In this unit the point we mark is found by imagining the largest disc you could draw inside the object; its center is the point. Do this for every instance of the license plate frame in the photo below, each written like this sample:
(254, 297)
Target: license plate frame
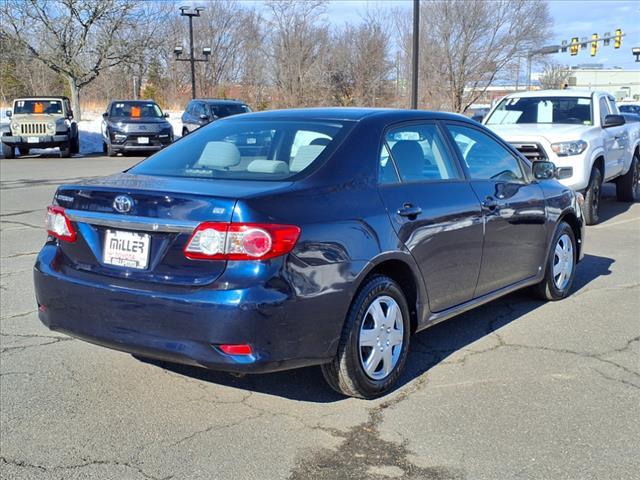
(33, 139)
(126, 249)
(143, 140)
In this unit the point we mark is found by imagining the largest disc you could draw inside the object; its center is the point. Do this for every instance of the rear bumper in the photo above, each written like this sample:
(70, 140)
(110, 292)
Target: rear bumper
(185, 326)
(44, 141)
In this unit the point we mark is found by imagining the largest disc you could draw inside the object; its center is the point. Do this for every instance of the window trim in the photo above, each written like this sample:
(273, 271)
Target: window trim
(527, 177)
(455, 162)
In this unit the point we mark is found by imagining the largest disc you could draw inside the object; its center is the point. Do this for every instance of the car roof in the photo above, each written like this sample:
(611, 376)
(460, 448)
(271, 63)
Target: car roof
(139, 100)
(350, 114)
(42, 97)
(556, 93)
(219, 101)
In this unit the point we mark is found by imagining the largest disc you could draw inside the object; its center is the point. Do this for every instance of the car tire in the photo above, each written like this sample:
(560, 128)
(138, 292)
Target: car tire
(627, 186)
(24, 150)
(65, 149)
(367, 321)
(111, 151)
(560, 269)
(8, 151)
(185, 132)
(592, 197)
(75, 144)
(104, 147)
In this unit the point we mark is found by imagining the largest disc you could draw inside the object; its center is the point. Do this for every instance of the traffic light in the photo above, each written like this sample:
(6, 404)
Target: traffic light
(594, 44)
(574, 46)
(617, 41)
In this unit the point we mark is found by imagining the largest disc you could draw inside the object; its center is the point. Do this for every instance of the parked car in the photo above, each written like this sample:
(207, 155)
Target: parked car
(355, 229)
(41, 122)
(135, 126)
(202, 111)
(581, 130)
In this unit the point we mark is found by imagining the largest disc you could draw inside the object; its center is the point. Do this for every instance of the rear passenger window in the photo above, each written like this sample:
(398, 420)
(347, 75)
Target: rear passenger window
(419, 154)
(485, 158)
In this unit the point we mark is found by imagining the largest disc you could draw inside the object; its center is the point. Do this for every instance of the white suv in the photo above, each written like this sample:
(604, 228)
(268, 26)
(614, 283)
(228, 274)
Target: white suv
(578, 130)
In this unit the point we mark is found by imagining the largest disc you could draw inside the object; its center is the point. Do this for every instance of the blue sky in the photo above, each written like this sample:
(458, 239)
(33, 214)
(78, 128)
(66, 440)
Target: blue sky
(580, 18)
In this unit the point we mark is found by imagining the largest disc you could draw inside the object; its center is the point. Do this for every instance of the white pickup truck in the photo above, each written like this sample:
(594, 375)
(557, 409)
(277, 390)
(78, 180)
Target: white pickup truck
(582, 130)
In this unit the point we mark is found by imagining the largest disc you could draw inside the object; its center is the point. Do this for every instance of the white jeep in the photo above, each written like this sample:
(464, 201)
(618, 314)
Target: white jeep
(581, 132)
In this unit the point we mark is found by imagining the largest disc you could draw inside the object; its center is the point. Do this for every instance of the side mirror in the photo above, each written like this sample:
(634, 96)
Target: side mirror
(105, 114)
(478, 118)
(8, 113)
(613, 121)
(70, 114)
(204, 117)
(544, 170)
(166, 115)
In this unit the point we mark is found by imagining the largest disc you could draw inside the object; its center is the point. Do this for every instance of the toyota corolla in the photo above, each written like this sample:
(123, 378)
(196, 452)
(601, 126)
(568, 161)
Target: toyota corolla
(284, 239)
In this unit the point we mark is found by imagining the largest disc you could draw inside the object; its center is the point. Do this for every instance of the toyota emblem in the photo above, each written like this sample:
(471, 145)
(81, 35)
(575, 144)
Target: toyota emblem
(123, 203)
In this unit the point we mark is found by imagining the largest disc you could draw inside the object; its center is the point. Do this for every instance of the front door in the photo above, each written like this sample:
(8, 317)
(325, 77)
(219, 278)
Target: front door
(513, 209)
(433, 210)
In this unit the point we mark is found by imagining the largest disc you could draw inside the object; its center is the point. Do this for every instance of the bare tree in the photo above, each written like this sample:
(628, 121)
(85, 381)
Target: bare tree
(554, 76)
(299, 38)
(77, 39)
(467, 45)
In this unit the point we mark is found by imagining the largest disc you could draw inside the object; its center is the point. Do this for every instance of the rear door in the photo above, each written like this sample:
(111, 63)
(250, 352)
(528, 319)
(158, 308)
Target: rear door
(433, 210)
(614, 142)
(513, 209)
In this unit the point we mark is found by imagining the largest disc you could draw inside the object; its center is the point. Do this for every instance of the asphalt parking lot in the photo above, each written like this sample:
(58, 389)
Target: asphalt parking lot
(515, 389)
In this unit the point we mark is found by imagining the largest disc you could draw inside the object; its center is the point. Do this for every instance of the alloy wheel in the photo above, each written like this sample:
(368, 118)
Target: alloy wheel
(381, 337)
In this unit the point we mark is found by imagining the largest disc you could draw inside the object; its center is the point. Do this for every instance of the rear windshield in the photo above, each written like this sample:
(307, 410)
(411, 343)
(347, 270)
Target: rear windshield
(244, 149)
(37, 106)
(135, 110)
(571, 110)
(222, 111)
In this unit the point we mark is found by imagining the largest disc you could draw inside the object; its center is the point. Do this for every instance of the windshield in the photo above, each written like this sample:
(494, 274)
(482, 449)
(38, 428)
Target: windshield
(247, 149)
(135, 110)
(37, 106)
(571, 110)
(221, 111)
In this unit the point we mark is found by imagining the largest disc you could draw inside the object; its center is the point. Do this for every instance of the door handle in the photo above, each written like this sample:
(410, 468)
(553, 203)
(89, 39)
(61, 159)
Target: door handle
(489, 203)
(410, 211)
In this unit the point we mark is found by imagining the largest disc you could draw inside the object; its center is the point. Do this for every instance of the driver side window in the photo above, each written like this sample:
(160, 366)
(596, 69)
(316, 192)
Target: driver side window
(485, 158)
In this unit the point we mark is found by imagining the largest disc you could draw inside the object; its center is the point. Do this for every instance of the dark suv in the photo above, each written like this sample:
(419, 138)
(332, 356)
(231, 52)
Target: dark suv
(134, 126)
(201, 111)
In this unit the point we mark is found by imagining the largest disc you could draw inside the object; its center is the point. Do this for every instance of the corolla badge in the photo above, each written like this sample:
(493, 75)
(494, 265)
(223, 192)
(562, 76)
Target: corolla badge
(123, 203)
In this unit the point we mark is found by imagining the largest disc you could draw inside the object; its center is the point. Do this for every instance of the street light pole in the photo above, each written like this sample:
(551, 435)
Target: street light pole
(184, 11)
(414, 60)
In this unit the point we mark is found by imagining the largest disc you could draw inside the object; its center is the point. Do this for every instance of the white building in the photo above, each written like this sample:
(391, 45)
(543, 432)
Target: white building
(623, 84)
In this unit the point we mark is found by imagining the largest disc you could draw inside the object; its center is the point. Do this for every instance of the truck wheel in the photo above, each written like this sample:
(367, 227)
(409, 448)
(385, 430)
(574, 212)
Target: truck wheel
(75, 144)
(628, 186)
(65, 149)
(8, 151)
(592, 197)
(24, 150)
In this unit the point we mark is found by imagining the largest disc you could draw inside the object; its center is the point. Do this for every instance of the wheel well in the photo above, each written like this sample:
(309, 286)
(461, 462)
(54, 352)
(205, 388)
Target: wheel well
(599, 164)
(402, 274)
(572, 220)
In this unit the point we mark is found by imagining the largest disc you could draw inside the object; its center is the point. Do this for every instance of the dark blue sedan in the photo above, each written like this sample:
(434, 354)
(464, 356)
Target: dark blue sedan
(282, 239)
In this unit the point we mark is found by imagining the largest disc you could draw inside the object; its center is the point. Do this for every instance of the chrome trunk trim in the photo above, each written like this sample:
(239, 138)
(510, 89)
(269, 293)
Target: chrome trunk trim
(130, 222)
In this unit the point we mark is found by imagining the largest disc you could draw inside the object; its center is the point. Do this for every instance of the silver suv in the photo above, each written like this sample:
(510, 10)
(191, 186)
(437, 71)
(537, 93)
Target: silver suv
(40, 122)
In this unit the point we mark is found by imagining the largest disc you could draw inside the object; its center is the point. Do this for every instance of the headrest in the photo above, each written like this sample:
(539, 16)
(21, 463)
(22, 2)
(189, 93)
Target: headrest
(320, 141)
(268, 166)
(219, 155)
(305, 157)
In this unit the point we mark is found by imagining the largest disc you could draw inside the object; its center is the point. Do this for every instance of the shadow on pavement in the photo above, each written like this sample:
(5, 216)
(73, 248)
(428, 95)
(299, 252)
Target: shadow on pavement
(428, 348)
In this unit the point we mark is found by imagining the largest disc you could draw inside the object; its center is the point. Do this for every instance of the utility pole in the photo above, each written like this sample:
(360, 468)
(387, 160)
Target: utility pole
(414, 60)
(184, 11)
(548, 50)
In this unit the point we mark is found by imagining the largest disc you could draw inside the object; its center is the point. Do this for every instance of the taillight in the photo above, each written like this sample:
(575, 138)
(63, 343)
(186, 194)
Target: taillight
(241, 241)
(59, 225)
